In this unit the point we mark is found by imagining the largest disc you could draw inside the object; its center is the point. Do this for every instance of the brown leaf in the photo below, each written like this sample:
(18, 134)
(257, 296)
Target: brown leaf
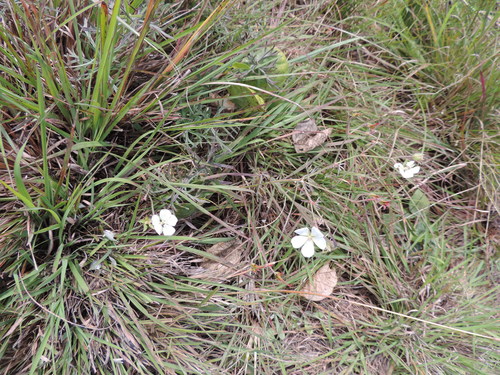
(323, 282)
(230, 254)
(306, 136)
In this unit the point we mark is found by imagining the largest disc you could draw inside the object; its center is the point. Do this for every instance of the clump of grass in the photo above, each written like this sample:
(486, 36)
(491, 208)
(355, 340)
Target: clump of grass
(111, 113)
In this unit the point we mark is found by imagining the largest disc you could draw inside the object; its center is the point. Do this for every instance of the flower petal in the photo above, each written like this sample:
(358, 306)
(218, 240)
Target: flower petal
(299, 241)
(409, 173)
(168, 230)
(155, 220)
(109, 235)
(316, 233)
(172, 220)
(318, 238)
(320, 242)
(302, 231)
(414, 170)
(165, 215)
(410, 164)
(398, 166)
(405, 173)
(308, 249)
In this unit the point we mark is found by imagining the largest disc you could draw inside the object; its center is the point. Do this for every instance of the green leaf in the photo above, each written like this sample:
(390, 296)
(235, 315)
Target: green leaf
(21, 188)
(26, 200)
(240, 65)
(75, 270)
(43, 345)
(419, 203)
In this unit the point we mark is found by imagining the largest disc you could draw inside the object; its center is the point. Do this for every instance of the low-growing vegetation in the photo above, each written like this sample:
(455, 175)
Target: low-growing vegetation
(235, 187)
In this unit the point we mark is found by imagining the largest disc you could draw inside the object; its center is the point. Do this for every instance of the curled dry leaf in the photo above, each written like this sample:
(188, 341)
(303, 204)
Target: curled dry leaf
(230, 254)
(306, 136)
(323, 282)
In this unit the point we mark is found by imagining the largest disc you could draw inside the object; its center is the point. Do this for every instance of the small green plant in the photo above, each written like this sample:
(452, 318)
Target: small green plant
(264, 68)
(149, 227)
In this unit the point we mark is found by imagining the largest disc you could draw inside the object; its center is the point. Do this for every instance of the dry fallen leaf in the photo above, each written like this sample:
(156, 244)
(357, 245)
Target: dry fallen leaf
(323, 282)
(230, 254)
(306, 136)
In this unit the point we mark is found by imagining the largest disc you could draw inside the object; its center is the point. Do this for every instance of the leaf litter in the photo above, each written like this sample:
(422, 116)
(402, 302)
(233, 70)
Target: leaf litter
(321, 284)
(307, 137)
(229, 254)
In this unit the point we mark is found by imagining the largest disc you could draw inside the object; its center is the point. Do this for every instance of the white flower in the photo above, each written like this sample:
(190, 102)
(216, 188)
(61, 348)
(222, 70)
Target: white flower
(408, 169)
(109, 235)
(164, 223)
(307, 239)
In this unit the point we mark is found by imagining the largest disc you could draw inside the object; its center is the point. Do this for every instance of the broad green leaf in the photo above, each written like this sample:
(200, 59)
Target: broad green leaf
(240, 65)
(419, 202)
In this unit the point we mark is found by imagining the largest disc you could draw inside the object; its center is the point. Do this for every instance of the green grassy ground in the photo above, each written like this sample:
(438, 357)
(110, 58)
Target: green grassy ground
(111, 112)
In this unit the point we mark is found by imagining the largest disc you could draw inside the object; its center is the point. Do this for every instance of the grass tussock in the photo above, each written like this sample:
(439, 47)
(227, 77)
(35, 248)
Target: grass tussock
(113, 111)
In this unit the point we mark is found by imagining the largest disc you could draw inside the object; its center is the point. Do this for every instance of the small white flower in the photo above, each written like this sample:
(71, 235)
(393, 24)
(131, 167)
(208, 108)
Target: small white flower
(307, 239)
(408, 169)
(164, 223)
(109, 235)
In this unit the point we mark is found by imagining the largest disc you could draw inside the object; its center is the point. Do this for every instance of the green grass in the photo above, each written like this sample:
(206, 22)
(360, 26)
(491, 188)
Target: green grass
(111, 114)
